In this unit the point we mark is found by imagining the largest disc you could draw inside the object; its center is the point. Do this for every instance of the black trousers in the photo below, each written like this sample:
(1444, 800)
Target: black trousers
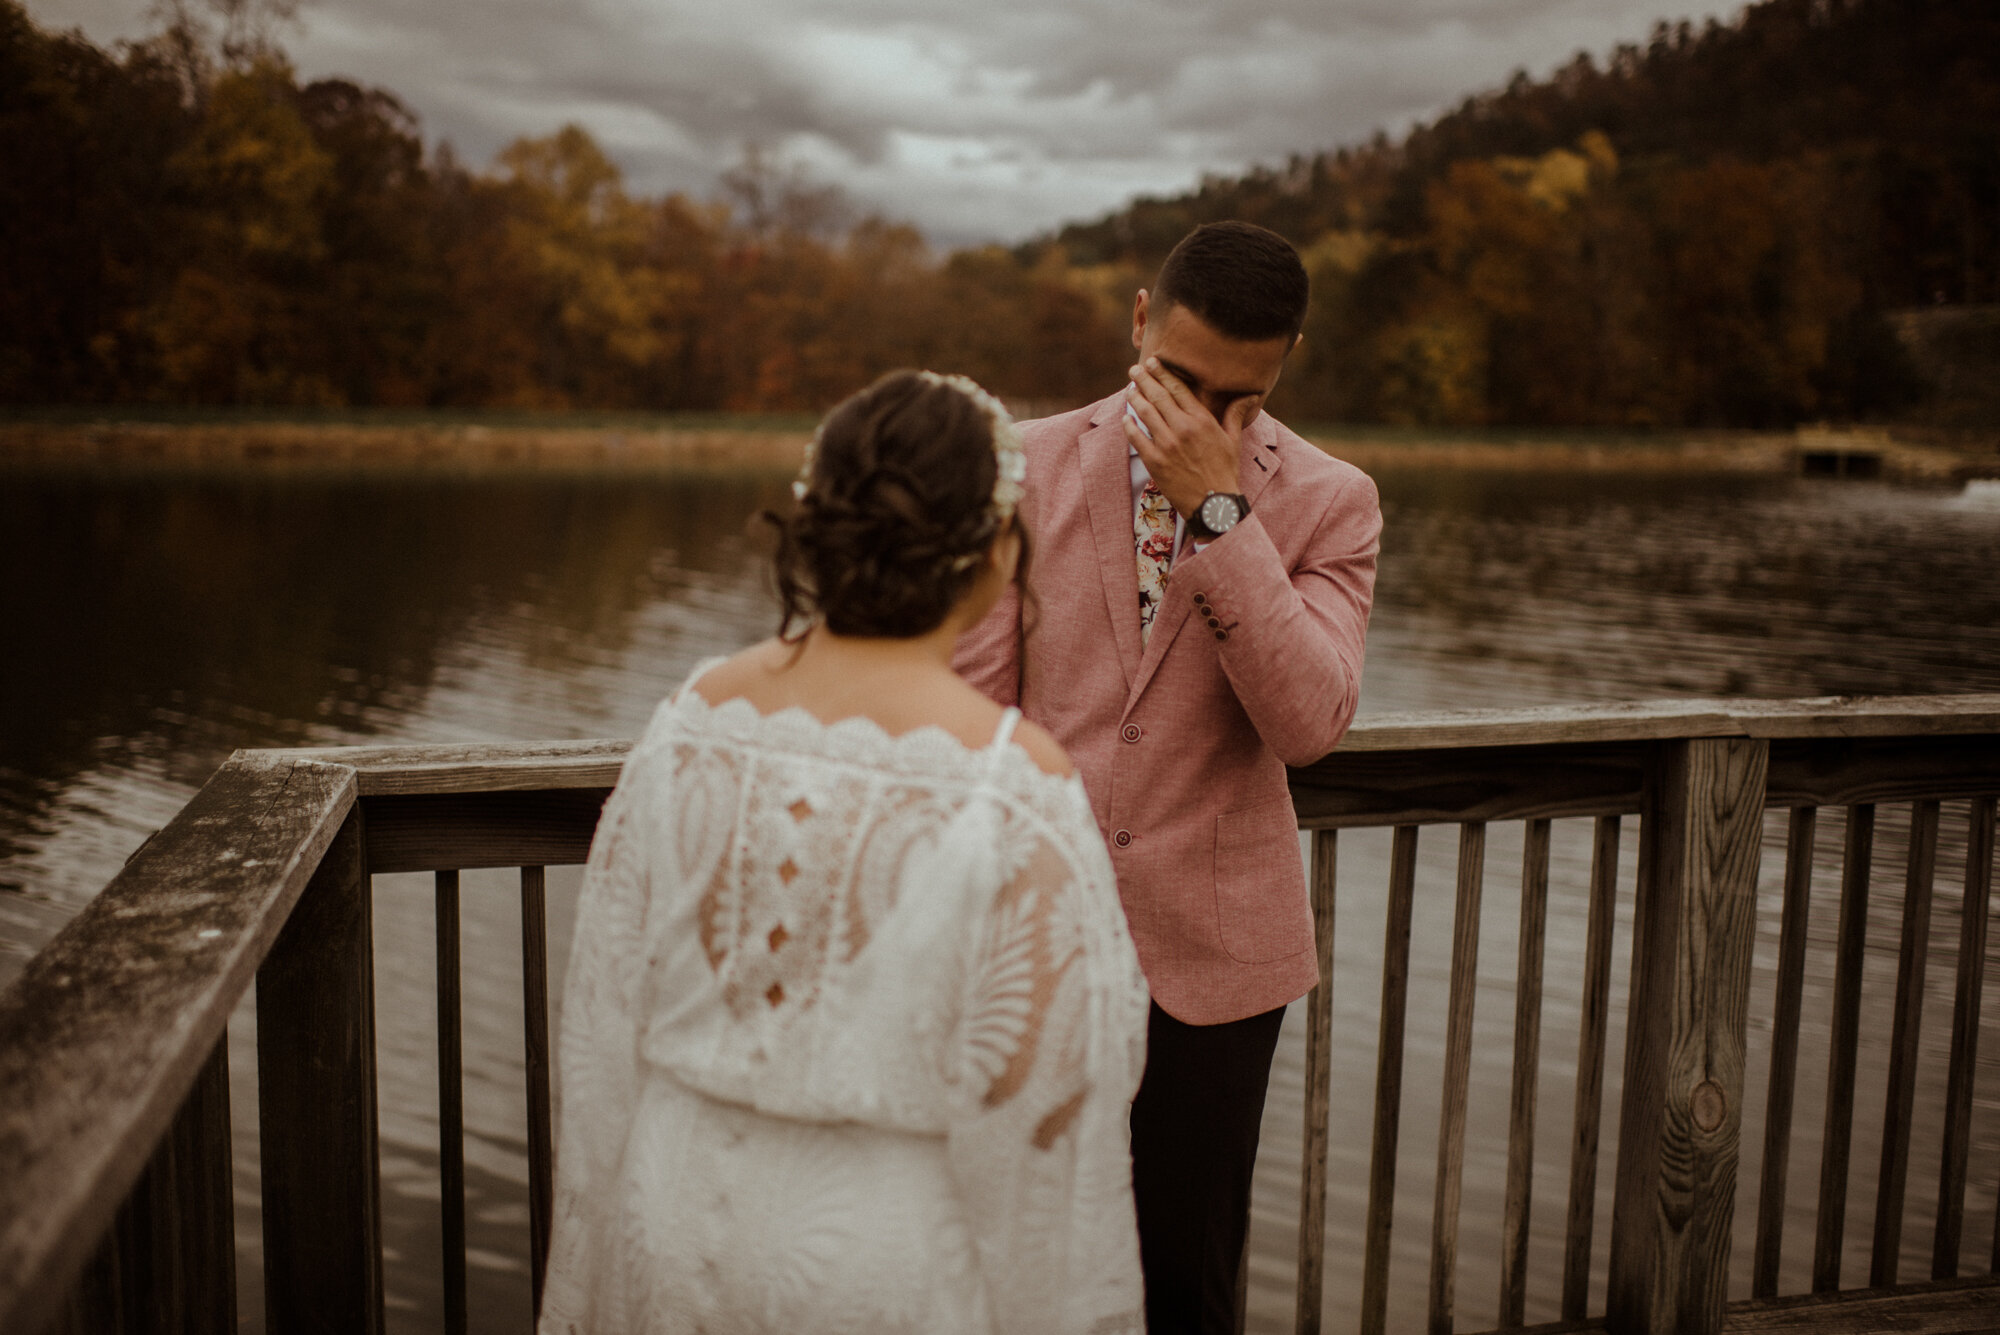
(1194, 1143)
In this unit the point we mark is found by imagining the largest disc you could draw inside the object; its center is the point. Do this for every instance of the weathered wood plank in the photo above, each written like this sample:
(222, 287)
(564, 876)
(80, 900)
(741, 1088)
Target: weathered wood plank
(1473, 784)
(1581, 1224)
(1388, 1081)
(1319, 1101)
(483, 767)
(1849, 953)
(454, 831)
(1652, 720)
(451, 1104)
(1971, 980)
(1694, 934)
(535, 1024)
(316, 1104)
(1903, 1040)
(1784, 1051)
(1527, 1071)
(104, 1033)
(1824, 772)
(1964, 1307)
(1457, 1075)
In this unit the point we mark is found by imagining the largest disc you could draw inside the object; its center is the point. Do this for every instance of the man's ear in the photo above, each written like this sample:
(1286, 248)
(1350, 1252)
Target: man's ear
(1139, 309)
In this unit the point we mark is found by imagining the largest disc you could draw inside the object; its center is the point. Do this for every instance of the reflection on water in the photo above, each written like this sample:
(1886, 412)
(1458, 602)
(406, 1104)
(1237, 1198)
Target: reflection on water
(157, 620)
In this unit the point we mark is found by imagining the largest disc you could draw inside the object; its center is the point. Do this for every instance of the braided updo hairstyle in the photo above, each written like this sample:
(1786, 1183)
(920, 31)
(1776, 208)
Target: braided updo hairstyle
(896, 512)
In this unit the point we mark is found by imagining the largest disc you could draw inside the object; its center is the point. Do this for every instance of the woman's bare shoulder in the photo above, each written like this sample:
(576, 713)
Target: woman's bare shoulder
(742, 672)
(1043, 749)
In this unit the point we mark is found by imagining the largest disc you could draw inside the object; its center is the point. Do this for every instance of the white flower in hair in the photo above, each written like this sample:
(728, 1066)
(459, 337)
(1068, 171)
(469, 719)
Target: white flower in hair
(1010, 460)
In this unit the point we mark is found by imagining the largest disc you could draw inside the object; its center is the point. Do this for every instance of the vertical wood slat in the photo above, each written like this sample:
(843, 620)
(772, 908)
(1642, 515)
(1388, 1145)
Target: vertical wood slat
(1457, 1075)
(1904, 1037)
(451, 1103)
(193, 1203)
(1964, 1043)
(1850, 950)
(316, 1104)
(1319, 1075)
(1527, 1069)
(1694, 933)
(167, 1265)
(535, 1025)
(1581, 1224)
(1388, 1081)
(1787, 1013)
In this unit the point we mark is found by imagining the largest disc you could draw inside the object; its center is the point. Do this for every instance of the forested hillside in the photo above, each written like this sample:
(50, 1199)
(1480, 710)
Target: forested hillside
(1706, 230)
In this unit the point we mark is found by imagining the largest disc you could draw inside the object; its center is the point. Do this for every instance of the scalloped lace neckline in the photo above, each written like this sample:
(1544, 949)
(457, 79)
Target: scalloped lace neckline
(857, 736)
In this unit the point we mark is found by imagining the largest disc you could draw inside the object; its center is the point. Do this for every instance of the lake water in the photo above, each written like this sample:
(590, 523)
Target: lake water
(157, 619)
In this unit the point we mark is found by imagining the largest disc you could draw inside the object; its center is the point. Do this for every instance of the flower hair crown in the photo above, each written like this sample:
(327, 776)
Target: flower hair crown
(1010, 473)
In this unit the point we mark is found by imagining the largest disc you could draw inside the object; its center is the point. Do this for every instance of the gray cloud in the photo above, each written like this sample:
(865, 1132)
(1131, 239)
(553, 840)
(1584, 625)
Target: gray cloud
(975, 120)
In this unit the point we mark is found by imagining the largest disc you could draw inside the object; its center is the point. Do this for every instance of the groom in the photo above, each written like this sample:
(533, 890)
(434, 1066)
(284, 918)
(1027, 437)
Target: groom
(1201, 583)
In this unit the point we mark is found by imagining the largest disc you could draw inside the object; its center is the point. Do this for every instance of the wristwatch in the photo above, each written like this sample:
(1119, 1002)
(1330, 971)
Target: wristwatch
(1218, 512)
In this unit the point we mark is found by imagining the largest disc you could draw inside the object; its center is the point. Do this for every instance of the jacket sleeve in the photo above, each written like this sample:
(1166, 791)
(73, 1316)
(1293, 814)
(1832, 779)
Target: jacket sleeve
(1044, 1063)
(1295, 641)
(989, 655)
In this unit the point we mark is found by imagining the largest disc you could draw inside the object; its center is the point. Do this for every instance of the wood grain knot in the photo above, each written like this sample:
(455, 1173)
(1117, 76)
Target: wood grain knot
(1709, 1105)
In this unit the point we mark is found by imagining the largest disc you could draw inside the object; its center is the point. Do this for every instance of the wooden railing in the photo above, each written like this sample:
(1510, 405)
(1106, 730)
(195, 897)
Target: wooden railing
(115, 1158)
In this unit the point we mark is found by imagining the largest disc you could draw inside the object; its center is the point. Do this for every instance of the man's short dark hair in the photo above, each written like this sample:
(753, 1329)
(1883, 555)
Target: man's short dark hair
(1241, 280)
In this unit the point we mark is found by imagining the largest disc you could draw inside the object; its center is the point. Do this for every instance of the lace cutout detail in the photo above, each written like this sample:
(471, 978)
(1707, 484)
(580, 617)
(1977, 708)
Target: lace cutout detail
(825, 926)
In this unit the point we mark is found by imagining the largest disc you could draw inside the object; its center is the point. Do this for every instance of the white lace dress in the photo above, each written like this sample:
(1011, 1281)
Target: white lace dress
(849, 1039)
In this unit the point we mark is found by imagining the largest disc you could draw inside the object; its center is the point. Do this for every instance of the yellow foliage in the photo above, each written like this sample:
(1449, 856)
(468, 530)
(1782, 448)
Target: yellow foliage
(253, 151)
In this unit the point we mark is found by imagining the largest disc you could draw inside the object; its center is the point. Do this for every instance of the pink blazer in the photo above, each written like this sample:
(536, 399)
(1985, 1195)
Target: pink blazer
(1254, 663)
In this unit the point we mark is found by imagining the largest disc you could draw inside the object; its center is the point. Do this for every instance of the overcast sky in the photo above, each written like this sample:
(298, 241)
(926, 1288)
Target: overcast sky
(977, 121)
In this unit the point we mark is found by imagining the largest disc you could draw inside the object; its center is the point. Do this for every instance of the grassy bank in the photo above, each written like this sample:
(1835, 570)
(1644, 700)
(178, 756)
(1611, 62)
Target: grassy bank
(721, 443)
(642, 446)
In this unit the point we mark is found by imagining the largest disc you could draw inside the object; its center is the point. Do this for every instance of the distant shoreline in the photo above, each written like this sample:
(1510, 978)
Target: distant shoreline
(401, 445)
(1897, 454)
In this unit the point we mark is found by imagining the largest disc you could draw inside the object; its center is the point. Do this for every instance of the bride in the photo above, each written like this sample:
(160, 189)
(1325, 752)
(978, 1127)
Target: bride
(852, 1022)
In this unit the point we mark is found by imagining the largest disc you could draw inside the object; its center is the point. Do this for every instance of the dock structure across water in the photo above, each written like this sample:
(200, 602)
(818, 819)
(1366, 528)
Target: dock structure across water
(115, 1142)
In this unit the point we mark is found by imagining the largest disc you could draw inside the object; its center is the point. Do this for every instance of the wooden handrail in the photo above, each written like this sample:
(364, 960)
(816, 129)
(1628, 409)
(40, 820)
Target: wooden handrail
(110, 1052)
(103, 1034)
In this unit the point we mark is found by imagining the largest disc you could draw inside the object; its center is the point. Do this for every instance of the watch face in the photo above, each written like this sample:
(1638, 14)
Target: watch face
(1219, 513)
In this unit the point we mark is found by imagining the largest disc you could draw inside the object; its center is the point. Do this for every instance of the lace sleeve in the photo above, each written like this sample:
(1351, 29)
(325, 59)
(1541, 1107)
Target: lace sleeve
(598, 1056)
(1048, 1053)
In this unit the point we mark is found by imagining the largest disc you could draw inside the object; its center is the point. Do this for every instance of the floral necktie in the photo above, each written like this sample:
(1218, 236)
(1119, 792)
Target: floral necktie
(1153, 531)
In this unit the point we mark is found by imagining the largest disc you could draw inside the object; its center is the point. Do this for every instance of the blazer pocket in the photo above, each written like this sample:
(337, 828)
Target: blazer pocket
(1260, 902)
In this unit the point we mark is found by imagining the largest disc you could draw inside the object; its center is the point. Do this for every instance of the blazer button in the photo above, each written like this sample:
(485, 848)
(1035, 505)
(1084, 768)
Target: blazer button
(1131, 732)
(1214, 624)
(1222, 635)
(1201, 597)
(1123, 838)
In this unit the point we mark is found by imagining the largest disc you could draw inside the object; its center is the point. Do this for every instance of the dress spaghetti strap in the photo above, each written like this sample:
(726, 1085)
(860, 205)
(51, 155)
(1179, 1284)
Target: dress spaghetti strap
(1003, 734)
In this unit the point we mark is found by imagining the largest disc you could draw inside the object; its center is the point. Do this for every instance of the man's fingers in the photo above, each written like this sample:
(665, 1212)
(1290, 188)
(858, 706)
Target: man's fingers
(1181, 396)
(1148, 410)
(1138, 439)
(1153, 391)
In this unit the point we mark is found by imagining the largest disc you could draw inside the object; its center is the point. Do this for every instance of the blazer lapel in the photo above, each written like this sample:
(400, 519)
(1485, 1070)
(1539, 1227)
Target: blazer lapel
(1102, 457)
(1258, 460)
(1256, 464)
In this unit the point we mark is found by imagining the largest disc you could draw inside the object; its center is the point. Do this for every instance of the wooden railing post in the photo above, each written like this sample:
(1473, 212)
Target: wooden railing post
(1693, 932)
(167, 1265)
(316, 1105)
